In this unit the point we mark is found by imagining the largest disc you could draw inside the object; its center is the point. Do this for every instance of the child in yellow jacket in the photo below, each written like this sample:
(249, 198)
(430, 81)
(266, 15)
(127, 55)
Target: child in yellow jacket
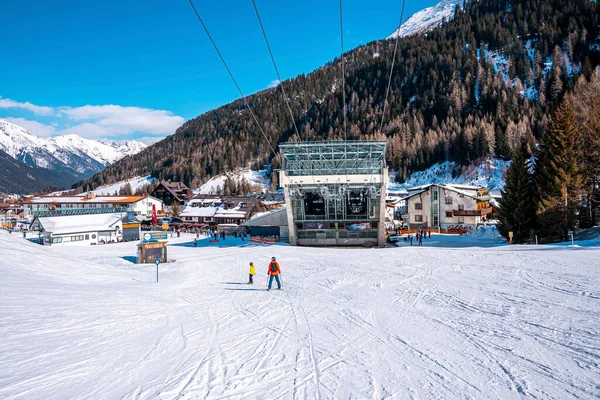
(252, 272)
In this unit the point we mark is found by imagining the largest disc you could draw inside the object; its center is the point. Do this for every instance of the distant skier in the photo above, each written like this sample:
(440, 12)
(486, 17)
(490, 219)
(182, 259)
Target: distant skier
(195, 242)
(429, 234)
(274, 272)
(252, 272)
(410, 238)
(421, 240)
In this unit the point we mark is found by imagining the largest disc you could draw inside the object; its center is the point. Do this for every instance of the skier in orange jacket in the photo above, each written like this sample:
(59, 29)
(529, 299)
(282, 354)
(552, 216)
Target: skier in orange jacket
(274, 271)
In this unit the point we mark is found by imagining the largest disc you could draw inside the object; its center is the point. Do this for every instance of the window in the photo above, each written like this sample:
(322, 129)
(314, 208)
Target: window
(461, 207)
(461, 195)
(93, 236)
(461, 220)
(77, 238)
(448, 214)
(418, 206)
(448, 200)
(434, 195)
(87, 237)
(418, 218)
(56, 240)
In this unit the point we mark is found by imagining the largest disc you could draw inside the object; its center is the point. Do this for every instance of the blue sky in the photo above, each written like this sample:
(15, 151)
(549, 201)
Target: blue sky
(123, 69)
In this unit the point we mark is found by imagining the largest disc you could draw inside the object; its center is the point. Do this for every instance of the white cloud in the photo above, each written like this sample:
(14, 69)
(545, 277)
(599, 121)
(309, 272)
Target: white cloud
(38, 110)
(96, 122)
(111, 120)
(34, 127)
(274, 83)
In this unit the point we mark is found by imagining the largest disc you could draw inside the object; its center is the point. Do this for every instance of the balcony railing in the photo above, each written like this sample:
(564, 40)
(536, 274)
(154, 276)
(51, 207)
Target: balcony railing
(471, 213)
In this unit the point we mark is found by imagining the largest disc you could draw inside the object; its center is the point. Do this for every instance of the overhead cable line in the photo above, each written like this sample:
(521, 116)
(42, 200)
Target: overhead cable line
(387, 92)
(232, 78)
(285, 98)
(343, 72)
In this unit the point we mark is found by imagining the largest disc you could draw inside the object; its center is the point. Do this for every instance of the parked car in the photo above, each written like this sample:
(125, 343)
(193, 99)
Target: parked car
(393, 238)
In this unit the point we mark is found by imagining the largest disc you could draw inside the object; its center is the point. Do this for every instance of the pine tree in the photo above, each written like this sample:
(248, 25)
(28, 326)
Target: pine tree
(586, 101)
(558, 178)
(517, 208)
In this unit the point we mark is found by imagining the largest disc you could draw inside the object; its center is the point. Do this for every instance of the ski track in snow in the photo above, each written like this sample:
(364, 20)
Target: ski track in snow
(480, 321)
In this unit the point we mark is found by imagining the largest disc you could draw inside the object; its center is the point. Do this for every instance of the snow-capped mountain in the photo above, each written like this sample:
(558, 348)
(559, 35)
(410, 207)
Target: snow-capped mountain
(427, 19)
(69, 153)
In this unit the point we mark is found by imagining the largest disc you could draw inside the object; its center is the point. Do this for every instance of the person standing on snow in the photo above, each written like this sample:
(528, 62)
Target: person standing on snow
(252, 272)
(274, 272)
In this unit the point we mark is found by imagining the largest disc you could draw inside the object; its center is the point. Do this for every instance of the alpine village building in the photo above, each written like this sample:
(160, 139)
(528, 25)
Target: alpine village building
(451, 207)
(212, 210)
(172, 192)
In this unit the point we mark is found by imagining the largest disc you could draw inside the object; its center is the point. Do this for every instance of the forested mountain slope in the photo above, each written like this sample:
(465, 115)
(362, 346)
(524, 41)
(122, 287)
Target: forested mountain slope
(18, 177)
(469, 88)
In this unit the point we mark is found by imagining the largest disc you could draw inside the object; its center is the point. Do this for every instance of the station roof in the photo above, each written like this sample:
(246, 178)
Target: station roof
(357, 157)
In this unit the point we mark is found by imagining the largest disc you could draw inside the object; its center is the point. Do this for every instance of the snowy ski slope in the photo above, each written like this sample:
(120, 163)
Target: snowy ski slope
(461, 317)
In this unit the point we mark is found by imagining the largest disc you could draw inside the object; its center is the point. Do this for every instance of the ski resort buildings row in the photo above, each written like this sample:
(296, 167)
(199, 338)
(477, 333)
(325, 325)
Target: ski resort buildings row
(212, 210)
(89, 219)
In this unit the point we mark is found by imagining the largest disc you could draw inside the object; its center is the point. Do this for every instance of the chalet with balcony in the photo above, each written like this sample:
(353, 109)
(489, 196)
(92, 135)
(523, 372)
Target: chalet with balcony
(447, 207)
(172, 192)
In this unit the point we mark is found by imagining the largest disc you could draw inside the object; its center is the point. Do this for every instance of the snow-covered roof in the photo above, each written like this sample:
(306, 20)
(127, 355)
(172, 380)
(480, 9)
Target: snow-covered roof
(275, 217)
(230, 213)
(460, 189)
(80, 223)
(85, 200)
(417, 188)
(464, 187)
(198, 212)
(415, 194)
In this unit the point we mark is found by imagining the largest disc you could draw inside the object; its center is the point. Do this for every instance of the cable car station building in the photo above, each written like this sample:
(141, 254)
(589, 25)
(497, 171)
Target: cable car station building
(335, 192)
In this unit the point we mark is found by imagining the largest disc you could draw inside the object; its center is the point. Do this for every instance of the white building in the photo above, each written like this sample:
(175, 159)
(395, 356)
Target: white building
(80, 229)
(447, 207)
(45, 206)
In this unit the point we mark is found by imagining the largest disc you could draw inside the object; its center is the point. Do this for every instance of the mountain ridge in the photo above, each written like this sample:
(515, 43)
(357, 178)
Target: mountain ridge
(427, 19)
(69, 153)
(16, 177)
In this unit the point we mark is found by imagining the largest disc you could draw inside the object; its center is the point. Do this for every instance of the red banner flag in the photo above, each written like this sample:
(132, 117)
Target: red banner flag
(154, 219)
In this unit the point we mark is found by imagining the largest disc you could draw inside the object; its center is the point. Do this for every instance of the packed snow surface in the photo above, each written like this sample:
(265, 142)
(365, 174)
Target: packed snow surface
(427, 19)
(460, 317)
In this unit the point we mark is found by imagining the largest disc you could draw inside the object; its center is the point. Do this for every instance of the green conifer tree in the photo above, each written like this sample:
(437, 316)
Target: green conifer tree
(558, 180)
(517, 206)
